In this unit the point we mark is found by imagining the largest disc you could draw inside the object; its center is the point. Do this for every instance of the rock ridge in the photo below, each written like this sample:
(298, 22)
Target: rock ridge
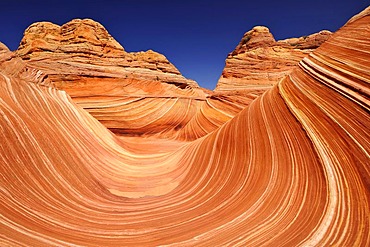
(83, 59)
(260, 61)
(80, 40)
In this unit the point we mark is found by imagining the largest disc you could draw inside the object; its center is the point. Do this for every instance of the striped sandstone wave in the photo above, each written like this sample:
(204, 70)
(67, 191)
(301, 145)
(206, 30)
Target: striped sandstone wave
(291, 168)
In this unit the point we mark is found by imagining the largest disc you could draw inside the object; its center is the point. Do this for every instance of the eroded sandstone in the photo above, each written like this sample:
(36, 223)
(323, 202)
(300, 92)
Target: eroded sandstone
(259, 61)
(287, 167)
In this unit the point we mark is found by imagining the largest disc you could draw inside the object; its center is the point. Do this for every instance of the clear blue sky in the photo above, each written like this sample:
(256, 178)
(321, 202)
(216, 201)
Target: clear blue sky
(195, 36)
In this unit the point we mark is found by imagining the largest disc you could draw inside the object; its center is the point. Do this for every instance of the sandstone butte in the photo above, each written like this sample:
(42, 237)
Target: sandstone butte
(101, 147)
(259, 61)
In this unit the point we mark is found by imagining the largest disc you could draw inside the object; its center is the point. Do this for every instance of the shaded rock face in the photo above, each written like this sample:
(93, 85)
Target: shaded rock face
(288, 168)
(260, 62)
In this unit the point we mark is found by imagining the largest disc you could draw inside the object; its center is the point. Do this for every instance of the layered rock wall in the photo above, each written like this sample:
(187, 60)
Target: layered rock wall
(83, 59)
(260, 62)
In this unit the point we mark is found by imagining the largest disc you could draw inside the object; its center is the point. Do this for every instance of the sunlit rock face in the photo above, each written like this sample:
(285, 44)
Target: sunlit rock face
(84, 48)
(290, 168)
(116, 87)
(260, 62)
(132, 94)
(3, 48)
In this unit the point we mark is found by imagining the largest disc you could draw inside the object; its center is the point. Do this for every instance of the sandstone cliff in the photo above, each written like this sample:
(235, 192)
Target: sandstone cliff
(117, 87)
(260, 62)
(86, 46)
(83, 59)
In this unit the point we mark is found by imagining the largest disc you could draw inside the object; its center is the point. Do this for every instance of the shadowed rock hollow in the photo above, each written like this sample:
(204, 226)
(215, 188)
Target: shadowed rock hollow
(101, 147)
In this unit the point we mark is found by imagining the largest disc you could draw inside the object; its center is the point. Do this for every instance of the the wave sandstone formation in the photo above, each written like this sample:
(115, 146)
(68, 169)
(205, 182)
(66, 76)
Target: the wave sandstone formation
(260, 62)
(118, 88)
(288, 168)
(132, 94)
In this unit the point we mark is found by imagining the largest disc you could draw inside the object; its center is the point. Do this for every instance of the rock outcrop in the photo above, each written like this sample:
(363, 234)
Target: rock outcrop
(260, 62)
(3, 48)
(87, 47)
(81, 58)
(289, 168)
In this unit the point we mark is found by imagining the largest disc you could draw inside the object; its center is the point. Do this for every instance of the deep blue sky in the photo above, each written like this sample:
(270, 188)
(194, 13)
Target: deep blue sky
(195, 36)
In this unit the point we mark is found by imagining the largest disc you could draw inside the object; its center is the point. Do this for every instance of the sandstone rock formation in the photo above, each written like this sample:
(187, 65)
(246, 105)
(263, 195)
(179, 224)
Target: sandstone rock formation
(117, 87)
(81, 58)
(291, 168)
(3, 48)
(86, 46)
(260, 62)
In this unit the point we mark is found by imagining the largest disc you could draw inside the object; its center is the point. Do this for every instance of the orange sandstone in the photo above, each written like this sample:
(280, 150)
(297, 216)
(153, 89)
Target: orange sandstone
(290, 168)
(260, 62)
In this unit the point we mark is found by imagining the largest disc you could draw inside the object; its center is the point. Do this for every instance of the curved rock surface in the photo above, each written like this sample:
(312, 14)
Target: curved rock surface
(291, 168)
(260, 62)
